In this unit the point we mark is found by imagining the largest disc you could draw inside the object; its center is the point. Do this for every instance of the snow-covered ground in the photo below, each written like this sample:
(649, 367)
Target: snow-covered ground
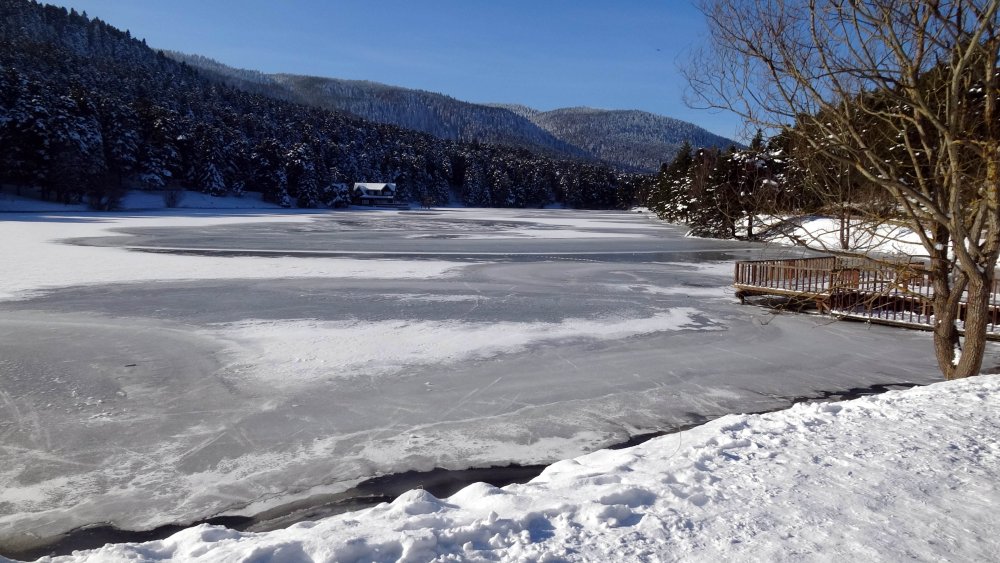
(906, 475)
(825, 233)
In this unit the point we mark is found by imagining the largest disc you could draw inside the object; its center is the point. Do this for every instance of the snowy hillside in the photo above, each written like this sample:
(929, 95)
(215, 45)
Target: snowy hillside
(429, 112)
(900, 476)
(419, 110)
(629, 138)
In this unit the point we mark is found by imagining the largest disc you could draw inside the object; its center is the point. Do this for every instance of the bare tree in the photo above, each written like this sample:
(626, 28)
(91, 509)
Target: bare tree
(836, 190)
(905, 93)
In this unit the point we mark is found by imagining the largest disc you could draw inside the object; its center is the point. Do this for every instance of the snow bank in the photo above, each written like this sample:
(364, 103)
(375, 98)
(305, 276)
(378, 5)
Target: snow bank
(900, 476)
(823, 233)
(35, 260)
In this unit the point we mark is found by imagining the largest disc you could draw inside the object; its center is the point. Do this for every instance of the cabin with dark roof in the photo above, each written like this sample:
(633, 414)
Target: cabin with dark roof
(369, 193)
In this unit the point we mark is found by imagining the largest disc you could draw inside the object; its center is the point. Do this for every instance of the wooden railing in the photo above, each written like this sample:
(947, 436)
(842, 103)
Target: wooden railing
(876, 290)
(899, 293)
(799, 275)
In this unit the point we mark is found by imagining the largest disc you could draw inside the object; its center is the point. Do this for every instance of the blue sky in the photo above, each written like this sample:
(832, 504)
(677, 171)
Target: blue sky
(542, 53)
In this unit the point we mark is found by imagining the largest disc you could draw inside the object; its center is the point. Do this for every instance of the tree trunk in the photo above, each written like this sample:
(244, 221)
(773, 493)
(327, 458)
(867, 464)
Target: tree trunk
(947, 306)
(946, 337)
(845, 230)
(977, 316)
(958, 358)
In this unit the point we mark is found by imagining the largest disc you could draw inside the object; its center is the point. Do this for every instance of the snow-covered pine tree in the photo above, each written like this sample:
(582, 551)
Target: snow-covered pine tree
(303, 181)
(158, 155)
(269, 175)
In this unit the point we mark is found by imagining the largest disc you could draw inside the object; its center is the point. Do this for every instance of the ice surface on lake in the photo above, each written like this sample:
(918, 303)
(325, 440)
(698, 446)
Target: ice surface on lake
(294, 352)
(147, 387)
(38, 262)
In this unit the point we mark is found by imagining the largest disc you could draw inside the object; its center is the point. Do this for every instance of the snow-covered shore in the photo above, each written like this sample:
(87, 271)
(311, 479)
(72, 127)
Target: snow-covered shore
(899, 476)
(134, 200)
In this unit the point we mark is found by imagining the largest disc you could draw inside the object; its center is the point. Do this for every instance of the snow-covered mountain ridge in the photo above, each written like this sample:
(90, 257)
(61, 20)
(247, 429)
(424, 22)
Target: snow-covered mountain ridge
(628, 139)
(632, 139)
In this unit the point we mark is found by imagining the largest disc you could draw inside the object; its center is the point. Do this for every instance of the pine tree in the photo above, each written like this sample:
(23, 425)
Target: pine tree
(158, 157)
(668, 196)
(715, 212)
(119, 130)
(303, 183)
(269, 176)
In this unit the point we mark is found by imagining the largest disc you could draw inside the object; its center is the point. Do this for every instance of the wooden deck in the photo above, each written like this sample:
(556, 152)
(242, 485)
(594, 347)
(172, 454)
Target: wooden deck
(885, 292)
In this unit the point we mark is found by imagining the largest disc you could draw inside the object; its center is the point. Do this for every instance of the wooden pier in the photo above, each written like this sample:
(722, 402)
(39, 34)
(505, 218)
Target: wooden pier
(878, 291)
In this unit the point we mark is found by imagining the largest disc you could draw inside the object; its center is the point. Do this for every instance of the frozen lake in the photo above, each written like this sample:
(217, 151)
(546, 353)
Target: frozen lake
(181, 367)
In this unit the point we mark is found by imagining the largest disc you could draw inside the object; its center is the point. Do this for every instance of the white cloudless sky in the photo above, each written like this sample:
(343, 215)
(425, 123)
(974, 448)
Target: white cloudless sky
(543, 53)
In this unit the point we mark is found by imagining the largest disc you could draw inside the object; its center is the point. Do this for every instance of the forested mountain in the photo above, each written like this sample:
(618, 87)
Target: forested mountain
(437, 114)
(87, 111)
(429, 112)
(627, 139)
